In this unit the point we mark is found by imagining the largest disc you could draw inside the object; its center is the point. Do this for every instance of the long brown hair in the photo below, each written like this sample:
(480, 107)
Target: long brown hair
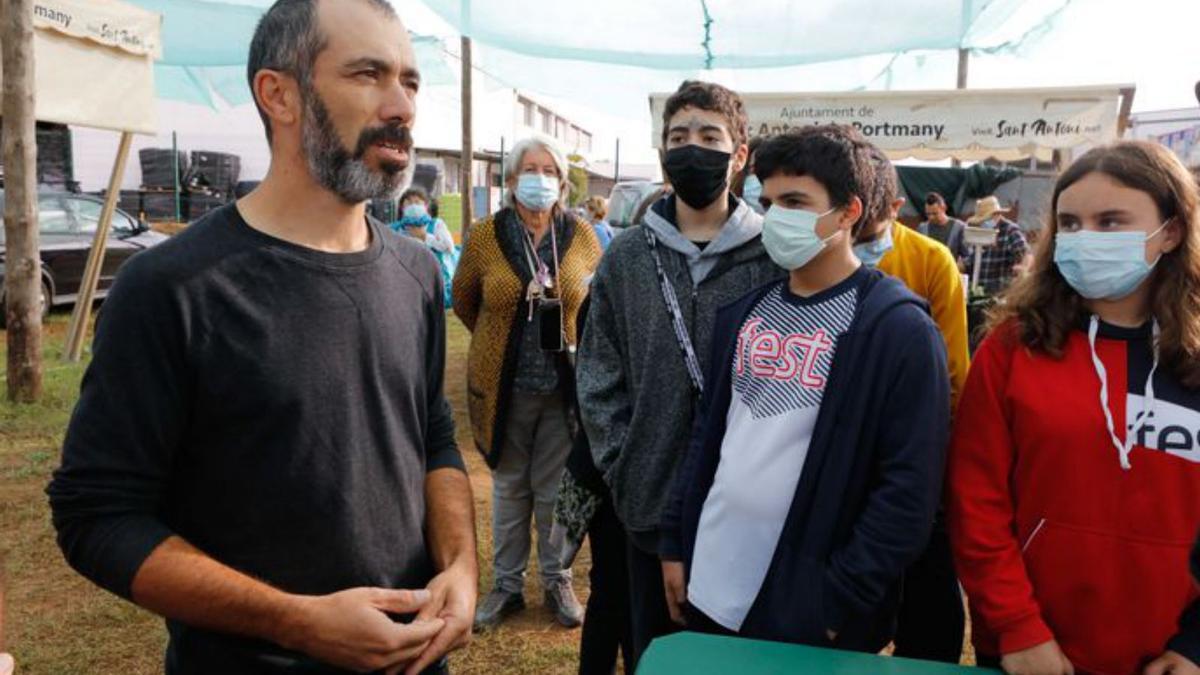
(1045, 309)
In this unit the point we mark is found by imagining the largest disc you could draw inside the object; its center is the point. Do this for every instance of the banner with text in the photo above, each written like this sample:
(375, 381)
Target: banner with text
(1007, 124)
(94, 64)
(115, 24)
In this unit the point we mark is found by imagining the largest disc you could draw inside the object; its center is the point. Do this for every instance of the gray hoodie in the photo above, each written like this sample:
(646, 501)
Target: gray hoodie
(634, 393)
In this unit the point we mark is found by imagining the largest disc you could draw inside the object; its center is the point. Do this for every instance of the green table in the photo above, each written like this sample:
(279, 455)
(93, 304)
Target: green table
(696, 654)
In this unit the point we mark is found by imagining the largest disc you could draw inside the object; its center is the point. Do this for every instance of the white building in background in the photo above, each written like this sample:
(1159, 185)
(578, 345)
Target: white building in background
(1178, 129)
(502, 116)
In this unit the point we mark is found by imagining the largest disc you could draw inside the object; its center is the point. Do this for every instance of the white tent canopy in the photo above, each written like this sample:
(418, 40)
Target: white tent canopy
(94, 67)
(1006, 124)
(94, 63)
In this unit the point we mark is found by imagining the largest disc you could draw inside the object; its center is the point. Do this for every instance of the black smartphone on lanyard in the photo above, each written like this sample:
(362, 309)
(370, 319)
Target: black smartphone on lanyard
(550, 324)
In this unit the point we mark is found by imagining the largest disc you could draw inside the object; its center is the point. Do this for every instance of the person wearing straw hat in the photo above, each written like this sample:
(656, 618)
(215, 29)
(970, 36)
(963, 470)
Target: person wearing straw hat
(1007, 257)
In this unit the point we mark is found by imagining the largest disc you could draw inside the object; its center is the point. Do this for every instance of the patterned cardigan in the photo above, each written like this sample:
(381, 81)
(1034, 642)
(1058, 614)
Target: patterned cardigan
(489, 298)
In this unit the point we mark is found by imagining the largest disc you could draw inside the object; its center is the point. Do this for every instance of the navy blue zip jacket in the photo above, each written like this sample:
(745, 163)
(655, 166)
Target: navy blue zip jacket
(872, 482)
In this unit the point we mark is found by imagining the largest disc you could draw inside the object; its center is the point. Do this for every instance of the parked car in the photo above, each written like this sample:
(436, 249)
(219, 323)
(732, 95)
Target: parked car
(67, 224)
(624, 199)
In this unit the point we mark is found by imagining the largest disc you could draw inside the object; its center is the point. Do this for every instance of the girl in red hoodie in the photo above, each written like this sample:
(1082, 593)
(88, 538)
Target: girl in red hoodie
(1074, 472)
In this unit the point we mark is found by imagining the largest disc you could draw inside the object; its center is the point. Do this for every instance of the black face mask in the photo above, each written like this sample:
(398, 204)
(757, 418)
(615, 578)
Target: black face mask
(699, 175)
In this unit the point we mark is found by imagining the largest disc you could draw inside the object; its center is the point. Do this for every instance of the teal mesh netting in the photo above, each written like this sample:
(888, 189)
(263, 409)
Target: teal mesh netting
(632, 46)
(205, 45)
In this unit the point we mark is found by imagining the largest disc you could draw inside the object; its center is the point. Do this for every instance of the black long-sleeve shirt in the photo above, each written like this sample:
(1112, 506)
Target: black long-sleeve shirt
(275, 406)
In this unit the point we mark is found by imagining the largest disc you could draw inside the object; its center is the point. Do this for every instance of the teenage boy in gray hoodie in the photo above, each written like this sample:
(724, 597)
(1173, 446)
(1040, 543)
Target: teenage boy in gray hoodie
(653, 302)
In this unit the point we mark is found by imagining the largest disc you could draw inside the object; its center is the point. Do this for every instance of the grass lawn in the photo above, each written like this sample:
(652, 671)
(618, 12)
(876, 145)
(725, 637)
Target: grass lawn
(59, 623)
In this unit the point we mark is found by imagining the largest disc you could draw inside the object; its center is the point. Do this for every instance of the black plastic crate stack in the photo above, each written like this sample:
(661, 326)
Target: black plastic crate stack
(130, 201)
(384, 210)
(158, 167)
(158, 205)
(55, 165)
(200, 203)
(216, 171)
(211, 181)
(55, 162)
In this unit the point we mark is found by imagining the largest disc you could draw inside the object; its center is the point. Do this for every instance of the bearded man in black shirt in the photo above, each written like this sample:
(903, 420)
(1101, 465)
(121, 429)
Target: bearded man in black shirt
(262, 452)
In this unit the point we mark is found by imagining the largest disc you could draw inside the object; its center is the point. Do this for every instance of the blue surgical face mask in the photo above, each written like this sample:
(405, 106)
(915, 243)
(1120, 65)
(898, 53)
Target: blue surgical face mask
(752, 192)
(790, 236)
(537, 192)
(871, 252)
(415, 211)
(1104, 265)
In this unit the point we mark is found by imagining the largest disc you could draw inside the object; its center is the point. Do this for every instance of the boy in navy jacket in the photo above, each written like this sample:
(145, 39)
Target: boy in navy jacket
(816, 461)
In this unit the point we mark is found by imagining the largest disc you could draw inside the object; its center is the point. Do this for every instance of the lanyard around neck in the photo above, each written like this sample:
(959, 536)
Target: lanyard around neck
(1143, 418)
(535, 263)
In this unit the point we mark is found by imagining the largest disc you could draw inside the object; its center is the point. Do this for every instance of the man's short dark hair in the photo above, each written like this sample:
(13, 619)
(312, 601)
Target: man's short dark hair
(415, 191)
(288, 39)
(713, 98)
(935, 198)
(887, 187)
(836, 156)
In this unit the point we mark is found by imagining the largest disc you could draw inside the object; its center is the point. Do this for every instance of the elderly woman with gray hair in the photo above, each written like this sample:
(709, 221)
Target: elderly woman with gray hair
(520, 281)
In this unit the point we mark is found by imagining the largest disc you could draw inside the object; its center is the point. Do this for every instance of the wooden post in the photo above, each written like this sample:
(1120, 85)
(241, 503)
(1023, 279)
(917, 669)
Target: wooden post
(175, 173)
(964, 59)
(468, 143)
(1127, 107)
(77, 331)
(23, 268)
(617, 164)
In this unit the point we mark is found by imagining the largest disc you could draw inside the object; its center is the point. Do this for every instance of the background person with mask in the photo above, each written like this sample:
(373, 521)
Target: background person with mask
(418, 222)
(747, 186)
(931, 618)
(654, 299)
(262, 452)
(521, 280)
(815, 466)
(1075, 467)
(925, 268)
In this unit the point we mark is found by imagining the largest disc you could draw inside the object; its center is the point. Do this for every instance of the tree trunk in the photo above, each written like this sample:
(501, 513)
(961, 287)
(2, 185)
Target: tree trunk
(22, 274)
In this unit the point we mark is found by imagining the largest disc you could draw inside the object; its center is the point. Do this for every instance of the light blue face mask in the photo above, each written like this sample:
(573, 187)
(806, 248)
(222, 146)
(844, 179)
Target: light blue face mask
(752, 192)
(1104, 265)
(415, 211)
(537, 192)
(790, 236)
(871, 252)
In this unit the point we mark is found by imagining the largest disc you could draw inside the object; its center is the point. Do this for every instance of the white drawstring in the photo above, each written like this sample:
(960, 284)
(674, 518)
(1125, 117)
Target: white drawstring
(1123, 449)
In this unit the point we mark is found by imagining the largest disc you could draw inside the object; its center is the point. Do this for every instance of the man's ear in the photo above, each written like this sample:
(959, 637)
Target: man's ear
(851, 213)
(278, 96)
(740, 157)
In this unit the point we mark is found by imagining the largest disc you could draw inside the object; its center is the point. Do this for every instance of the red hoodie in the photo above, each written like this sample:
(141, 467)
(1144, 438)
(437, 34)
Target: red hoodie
(1052, 538)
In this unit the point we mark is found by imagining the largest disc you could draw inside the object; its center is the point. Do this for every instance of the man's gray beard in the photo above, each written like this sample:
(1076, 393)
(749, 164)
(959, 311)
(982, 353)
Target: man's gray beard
(337, 170)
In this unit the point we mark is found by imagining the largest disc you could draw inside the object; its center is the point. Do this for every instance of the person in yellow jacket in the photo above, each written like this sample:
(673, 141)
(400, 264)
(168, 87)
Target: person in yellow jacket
(931, 618)
(925, 265)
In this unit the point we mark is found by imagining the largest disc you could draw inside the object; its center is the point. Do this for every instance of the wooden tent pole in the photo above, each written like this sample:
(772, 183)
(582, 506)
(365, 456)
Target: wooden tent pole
(77, 331)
